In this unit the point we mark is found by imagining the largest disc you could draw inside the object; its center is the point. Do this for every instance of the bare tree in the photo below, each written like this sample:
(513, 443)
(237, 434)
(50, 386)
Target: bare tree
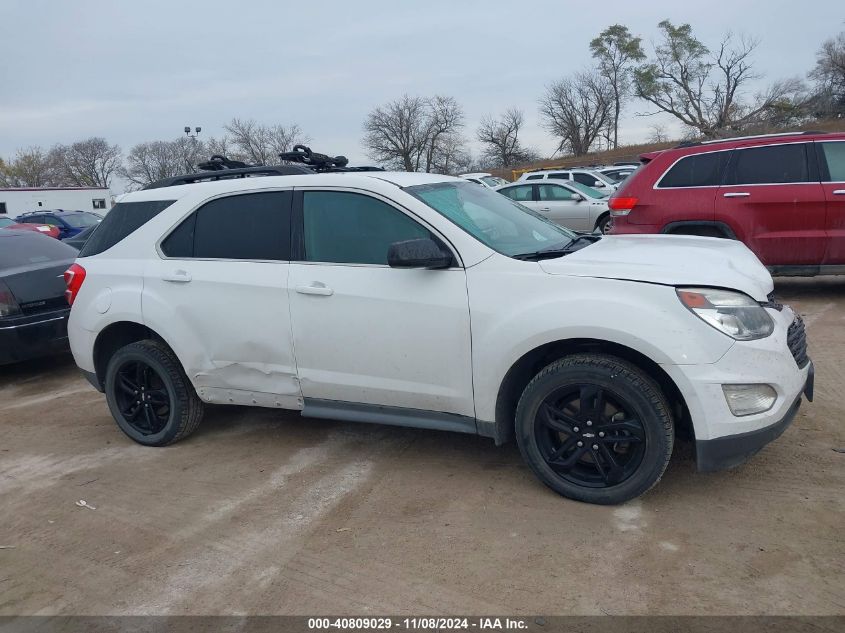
(576, 109)
(500, 137)
(829, 76)
(155, 160)
(443, 141)
(616, 50)
(395, 133)
(31, 167)
(89, 163)
(221, 146)
(704, 89)
(259, 144)
(415, 133)
(658, 134)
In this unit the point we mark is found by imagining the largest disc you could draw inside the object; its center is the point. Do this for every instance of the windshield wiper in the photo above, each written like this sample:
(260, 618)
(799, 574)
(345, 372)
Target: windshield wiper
(557, 251)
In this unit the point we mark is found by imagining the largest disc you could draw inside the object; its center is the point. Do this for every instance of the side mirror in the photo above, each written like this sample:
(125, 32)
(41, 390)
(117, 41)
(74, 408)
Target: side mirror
(421, 253)
(577, 197)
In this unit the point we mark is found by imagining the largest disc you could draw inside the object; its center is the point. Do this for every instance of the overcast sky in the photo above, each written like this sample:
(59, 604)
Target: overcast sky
(139, 71)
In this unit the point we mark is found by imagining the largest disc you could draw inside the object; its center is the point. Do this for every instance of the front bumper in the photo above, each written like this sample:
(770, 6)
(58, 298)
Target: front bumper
(724, 440)
(733, 450)
(32, 336)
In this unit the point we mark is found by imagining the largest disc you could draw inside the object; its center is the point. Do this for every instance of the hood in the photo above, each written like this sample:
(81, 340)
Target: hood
(672, 260)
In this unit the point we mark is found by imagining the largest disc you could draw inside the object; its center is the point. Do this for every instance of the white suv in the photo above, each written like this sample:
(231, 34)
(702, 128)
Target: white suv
(586, 177)
(428, 301)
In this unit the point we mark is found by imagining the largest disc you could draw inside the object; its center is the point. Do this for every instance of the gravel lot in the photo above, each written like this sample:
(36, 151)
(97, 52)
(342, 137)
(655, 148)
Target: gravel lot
(266, 512)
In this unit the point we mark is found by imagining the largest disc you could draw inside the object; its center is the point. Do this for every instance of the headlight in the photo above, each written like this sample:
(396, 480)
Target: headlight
(733, 313)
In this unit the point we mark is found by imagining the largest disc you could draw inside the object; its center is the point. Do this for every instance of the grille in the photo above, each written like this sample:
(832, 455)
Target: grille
(772, 302)
(796, 338)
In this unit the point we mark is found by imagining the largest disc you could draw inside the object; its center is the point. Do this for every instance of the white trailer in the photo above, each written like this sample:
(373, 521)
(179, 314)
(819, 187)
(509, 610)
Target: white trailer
(13, 202)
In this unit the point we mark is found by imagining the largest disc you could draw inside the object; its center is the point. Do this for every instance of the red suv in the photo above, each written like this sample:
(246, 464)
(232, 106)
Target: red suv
(782, 195)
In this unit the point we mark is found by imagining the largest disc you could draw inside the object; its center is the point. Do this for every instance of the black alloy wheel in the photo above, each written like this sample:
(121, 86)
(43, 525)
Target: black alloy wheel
(594, 427)
(149, 395)
(590, 436)
(142, 397)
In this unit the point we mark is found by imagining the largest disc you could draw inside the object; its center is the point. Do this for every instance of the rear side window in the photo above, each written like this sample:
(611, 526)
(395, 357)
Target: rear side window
(834, 154)
(520, 194)
(350, 228)
(697, 170)
(124, 218)
(587, 179)
(560, 176)
(554, 193)
(771, 164)
(540, 177)
(253, 226)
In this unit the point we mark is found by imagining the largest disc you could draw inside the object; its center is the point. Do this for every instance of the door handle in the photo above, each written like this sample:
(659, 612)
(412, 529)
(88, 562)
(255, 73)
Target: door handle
(178, 276)
(737, 194)
(839, 192)
(316, 288)
(545, 209)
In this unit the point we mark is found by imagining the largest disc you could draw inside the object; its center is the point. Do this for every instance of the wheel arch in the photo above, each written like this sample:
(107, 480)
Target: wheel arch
(601, 216)
(117, 335)
(700, 227)
(533, 361)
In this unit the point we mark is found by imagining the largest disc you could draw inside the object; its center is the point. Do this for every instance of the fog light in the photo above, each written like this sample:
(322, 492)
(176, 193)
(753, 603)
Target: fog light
(749, 399)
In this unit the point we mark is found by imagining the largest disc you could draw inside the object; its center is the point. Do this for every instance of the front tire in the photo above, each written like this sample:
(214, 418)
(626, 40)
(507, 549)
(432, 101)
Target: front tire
(604, 224)
(595, 428)
(149, 395)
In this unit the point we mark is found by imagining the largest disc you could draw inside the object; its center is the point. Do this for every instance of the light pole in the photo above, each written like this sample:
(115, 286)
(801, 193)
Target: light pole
(189, 161)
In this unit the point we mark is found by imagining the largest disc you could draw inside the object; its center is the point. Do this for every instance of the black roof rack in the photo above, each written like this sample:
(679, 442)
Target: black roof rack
(225, 174)
(221, 168)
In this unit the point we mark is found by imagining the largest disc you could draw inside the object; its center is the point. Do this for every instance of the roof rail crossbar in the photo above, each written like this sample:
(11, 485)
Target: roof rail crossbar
(223, 174)
(220, 168)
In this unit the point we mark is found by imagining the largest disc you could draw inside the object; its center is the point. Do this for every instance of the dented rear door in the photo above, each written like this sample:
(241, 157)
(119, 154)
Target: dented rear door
(220, 285)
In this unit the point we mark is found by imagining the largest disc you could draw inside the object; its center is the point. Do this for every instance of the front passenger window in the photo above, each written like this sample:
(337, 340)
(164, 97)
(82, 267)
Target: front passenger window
(351, 228)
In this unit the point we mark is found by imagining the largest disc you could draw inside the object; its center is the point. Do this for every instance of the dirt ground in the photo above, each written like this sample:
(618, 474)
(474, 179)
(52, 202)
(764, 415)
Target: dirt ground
(263, 512)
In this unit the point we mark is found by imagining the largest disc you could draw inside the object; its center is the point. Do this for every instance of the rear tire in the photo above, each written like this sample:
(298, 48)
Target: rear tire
(149, 395)
(604, 224)
(595, 428)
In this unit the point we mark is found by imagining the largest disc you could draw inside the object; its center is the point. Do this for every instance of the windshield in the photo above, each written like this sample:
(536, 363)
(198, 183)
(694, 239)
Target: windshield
(587, 191)
(6, 222)
(493, 181)
(491, 218)
(81, 220)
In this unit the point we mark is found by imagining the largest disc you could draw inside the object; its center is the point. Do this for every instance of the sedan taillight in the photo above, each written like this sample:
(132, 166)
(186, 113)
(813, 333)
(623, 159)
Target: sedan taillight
(8, 304)
(74, 276)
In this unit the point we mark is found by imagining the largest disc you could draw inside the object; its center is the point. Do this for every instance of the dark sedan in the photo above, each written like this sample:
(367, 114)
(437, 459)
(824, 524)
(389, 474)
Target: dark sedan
(33, 309)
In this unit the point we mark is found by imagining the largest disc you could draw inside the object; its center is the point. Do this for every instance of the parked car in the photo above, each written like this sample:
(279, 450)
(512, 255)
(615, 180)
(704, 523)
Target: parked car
(617, 174)
(586, 177)
(69, 223)
(483, 178)
(428, 301)
(782, 195)
(567, 203)
(33, 309)
(78, 240)
(9, 223)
